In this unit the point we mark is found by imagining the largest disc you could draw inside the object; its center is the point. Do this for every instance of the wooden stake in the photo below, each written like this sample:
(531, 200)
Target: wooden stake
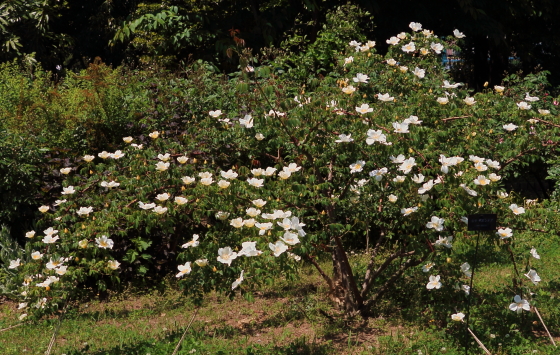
(544, 325)
(53, 338)
(185, 333)
(479, 342)
(60, 319)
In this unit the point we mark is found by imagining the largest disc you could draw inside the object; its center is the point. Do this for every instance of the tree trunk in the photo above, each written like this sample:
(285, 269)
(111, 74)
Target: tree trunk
(345, 292)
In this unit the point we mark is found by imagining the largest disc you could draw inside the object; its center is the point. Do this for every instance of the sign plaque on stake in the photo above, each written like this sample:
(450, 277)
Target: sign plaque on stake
(482, 222)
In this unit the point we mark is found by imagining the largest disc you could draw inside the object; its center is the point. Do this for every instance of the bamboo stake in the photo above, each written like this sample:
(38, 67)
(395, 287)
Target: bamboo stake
(185, 333)
(544, 325)
(479, 342)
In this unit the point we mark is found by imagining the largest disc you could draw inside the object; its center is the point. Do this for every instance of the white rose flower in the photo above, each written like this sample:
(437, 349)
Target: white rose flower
(162, 166)
(104, 155)
(410, 47)
(436, 47)
(68, 190)
(180, 200)
(226, 255)
(469, 101)
(259, 203)
(104, 242)
(510, 127)
(117, 155)
(415, 26)
(163, 197)
(348, 89)
(184, 269)
(223, 184)
(160, 209)
(187, 180)
(278, 248)
(164, 157)
(420, 73)
(215, 114)
(384, 97)
(458, 34)
(255, 182)
(84, 211)
(113, 264)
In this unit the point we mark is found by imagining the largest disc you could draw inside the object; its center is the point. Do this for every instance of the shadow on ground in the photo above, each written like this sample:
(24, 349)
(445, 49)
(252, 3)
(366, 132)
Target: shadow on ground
(190, 345)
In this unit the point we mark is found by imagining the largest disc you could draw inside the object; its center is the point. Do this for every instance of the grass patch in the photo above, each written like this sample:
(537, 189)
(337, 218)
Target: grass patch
(293, 318)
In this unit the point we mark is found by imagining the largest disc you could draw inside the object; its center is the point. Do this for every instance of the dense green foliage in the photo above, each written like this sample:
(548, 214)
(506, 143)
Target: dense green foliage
(70, 35)
(45, 123)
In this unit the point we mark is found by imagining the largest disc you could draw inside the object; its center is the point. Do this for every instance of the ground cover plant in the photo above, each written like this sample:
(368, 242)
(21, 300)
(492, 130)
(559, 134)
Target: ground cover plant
(271, 170)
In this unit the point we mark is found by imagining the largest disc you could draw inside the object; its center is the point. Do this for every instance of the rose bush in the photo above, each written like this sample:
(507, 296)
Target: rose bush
(268, 171)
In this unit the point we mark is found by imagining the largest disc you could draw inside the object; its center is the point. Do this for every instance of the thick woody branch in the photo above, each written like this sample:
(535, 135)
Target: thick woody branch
(349, 274)
(371, 263)
(371, 275)
(406, 265)
(321, 272)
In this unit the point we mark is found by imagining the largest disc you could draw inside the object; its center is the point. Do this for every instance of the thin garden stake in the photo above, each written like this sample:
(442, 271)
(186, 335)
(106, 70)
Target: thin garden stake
(469, 297)
(185, 333)
(544, 325)
(53, 338)
(479, 342)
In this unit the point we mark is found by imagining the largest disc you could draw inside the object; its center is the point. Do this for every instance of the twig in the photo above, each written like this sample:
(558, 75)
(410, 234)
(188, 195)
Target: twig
(423, 157)
(544, 325)
(479, 342)
(131, 202)
(13, 326)
(517, 157)
(383, 128)
(455, 118)
(185, 333)
(546, 122)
